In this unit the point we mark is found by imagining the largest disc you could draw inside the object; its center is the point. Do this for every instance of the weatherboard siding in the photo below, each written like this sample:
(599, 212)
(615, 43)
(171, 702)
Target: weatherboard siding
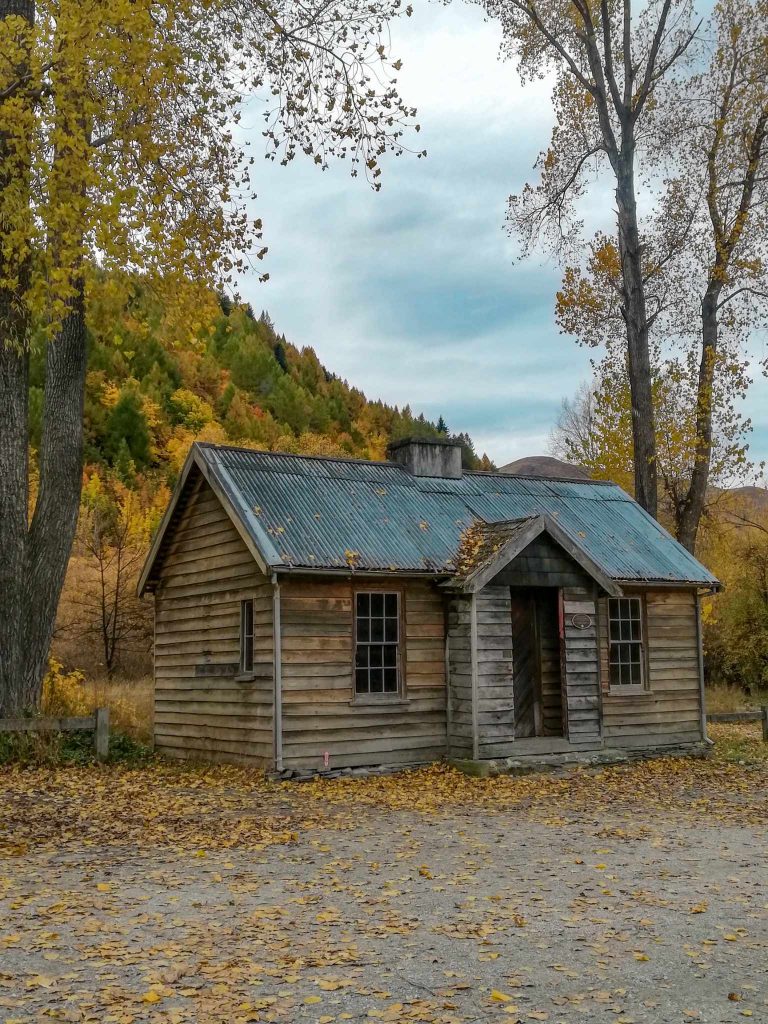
(543, 563)
(206, 571)
(320, 713)
(581, 665)
(668, 711)
(495, 694)
(460, 665)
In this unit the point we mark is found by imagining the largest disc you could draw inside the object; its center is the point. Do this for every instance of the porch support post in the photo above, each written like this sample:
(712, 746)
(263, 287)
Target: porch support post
(475, 678)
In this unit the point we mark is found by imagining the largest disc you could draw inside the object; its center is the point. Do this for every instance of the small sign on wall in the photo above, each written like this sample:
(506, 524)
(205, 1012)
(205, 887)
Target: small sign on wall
(580, 620)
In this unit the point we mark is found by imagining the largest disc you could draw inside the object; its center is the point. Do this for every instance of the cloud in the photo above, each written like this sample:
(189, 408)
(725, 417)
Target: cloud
(413, 293)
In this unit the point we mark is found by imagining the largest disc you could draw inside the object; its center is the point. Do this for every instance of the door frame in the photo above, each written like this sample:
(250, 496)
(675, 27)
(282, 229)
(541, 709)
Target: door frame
(563, 663)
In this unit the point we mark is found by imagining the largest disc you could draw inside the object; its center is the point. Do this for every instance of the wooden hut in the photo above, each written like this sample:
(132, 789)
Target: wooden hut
(322, 613)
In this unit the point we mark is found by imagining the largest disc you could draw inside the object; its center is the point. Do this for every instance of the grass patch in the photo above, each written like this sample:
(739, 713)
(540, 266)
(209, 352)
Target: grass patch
(54, 749)
(739, 742)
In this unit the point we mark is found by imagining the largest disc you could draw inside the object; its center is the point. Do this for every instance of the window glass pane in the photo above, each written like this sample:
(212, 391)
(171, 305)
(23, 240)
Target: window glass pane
(625, 632)
(246, 636)
(377, 633)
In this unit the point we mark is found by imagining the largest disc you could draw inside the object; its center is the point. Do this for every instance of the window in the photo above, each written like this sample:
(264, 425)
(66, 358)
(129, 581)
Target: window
(246, 636)
(625, 624)
(377, 643)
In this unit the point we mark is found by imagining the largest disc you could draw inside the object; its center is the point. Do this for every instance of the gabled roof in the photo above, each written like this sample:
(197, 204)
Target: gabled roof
(487, 548)
(302, 513)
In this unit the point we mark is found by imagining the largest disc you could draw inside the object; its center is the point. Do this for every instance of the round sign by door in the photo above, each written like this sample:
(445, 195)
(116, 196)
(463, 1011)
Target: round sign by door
(581, 620)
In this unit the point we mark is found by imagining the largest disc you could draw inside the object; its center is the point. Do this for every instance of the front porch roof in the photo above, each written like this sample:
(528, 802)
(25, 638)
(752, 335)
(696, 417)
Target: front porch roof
(487, 548)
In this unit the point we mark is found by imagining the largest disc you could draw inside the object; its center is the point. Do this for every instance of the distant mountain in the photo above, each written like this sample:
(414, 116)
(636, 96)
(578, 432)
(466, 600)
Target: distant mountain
(755, 496)
(545, 466)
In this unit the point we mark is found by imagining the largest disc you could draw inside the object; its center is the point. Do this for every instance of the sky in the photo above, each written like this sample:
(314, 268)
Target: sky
(416, 294)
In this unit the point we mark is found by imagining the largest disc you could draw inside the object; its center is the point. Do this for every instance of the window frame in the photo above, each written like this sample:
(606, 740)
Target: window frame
(642, 685)
(397, 696)
(246, 604)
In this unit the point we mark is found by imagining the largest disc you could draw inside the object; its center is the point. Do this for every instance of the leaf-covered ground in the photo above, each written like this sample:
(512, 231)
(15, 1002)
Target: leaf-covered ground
(636, 893)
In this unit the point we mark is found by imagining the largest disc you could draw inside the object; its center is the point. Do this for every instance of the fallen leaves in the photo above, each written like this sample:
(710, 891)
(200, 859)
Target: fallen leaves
(181, 895)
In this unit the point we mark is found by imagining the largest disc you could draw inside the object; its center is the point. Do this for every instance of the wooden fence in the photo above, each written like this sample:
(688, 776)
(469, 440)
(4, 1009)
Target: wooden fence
(97, 723)
(744, 716)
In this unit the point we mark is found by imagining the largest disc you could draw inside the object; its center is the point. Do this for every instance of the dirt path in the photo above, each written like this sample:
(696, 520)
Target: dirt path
(639, 894)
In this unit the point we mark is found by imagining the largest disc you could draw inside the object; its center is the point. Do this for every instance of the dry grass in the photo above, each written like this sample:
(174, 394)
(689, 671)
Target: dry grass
(129, 702)
(722, 698)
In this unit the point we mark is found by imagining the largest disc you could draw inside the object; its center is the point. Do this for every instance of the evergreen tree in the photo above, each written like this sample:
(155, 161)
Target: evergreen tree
(127, 427)
(280, 357)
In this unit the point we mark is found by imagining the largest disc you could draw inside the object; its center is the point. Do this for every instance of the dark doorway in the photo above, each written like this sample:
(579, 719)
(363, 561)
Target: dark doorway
(536, 662)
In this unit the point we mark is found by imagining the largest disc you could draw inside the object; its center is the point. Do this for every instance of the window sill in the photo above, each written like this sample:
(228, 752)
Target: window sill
(377, 702)
(629, 693)
(252, 677)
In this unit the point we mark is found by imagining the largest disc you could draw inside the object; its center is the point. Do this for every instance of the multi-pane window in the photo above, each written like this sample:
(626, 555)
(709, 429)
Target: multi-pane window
(377, 636)
(625, 624)
(246, 636)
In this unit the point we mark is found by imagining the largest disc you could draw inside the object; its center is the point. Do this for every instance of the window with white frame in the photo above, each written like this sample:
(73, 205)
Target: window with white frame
(377, 643)
(246, 636)
(625, 632)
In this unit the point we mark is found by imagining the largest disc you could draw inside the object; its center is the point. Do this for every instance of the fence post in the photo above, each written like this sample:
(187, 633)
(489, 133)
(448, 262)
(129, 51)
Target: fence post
(764, 709)
(101, 735)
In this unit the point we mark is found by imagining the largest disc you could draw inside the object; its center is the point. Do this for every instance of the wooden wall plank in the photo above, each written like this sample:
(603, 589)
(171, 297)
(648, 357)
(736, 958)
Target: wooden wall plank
(670, 706)
(206, 571)
(320, 712)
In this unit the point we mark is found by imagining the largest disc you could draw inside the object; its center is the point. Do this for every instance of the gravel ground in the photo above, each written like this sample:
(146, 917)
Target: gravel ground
(475, 913)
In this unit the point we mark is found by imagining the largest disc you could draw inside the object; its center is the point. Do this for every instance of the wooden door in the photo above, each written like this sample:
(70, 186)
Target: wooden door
(524, 665)
(550, 668)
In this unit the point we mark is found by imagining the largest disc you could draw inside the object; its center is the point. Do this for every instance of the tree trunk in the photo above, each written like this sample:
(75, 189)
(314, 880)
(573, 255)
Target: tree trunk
(635, 317)
(33, 559)
(14, 393)
(693, 504)
(14, 483)
(61, 476)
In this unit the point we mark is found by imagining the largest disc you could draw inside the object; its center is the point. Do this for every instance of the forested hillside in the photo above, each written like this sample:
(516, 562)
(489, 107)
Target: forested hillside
(151, 392)
(154, 386)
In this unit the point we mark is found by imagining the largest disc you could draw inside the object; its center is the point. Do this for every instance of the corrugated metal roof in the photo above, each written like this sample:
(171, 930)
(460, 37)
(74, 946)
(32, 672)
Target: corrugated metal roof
(306, 512)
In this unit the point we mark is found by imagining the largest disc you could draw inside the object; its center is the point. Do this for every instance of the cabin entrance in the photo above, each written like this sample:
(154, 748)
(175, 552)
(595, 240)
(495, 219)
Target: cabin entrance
(536, 667)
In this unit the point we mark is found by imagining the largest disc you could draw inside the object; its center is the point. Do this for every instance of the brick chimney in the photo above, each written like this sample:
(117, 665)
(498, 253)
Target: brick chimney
(427, 457)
